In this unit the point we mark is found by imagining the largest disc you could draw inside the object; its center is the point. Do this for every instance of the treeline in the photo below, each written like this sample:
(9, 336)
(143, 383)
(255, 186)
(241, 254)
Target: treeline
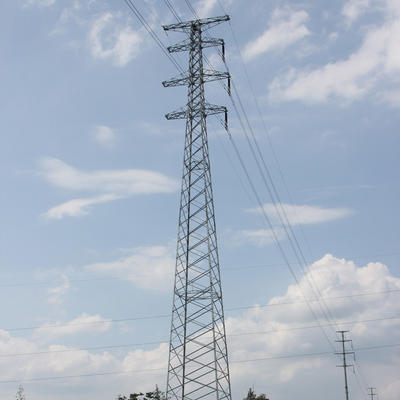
(157, 394)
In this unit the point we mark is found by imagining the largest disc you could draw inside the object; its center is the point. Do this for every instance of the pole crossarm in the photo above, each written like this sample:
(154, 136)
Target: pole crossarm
(198, 357)
(205, 24)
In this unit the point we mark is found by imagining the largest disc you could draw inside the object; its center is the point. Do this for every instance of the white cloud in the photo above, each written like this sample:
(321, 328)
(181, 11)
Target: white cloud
(273, 334)
(149, 268)
(58, 292)
(286, 27)
(104, 135)
(204, 7)
(257, 237)
(296, 214)
(61, 361)
(337, 279)
(67, 14)
(109, 184)
(126, 181)
(77, 207)
(303, 214)
(355, 8)
(85, 323)
(391, 97)
(11, 345)
(377, 59)
(111, 39)
(140, 359)
(107, 36)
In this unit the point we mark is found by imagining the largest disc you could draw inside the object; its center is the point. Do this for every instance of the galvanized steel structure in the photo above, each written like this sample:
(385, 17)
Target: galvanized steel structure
(198, 359)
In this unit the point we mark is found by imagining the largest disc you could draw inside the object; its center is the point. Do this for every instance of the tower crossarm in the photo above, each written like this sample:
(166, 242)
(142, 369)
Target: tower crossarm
(209, 109)
(185, 44)
(207, 76)
(205, 24)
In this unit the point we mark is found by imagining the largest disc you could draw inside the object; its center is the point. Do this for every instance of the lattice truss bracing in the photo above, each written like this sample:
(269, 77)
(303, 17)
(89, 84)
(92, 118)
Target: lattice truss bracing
(198, 361)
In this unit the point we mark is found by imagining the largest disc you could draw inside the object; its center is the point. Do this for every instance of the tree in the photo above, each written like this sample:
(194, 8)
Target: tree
(251, 395)
(20, 394)
(157, 394)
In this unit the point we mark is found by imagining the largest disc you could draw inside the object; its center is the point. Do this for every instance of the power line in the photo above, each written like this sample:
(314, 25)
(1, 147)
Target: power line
(165, 341)
(276, 203)
(149, 29)
(84, 375)
(169, 316)
(273, 186)
(165, 274)
(87, 323)
(271, 228)
(279, 202)
(362, 374)
(284, 224)
(359, 384)
(164, 369)
(318, 298)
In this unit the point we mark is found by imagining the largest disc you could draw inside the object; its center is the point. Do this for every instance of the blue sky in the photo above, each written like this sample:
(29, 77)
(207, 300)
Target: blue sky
(90, 187)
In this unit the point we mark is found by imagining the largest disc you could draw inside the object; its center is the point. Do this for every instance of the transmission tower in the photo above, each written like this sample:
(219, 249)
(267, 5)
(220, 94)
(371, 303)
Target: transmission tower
(198, 359)
(345, 365)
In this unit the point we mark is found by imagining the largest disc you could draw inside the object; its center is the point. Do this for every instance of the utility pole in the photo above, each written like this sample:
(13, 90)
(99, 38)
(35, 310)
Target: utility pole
(344, 366)
(372, 394)
(198, 356)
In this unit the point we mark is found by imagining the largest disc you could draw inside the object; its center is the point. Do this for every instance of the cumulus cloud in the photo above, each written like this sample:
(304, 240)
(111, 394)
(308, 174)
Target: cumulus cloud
(149, 268)
(286, 27)
(366, 299)
(108, 184)
(303, 214)
(60, 360)
(111, 38)
(377, 59)
(356, 294)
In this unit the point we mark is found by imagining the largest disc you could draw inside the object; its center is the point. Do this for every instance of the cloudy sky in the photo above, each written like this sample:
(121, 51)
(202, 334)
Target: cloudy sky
(90, 187)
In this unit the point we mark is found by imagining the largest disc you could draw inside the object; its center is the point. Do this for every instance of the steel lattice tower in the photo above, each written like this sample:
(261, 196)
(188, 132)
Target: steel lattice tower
(198, 359)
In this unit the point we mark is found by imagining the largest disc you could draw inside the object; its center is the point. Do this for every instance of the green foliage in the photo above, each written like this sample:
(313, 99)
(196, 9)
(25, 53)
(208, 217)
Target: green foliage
(251, 395)
(157, 394)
